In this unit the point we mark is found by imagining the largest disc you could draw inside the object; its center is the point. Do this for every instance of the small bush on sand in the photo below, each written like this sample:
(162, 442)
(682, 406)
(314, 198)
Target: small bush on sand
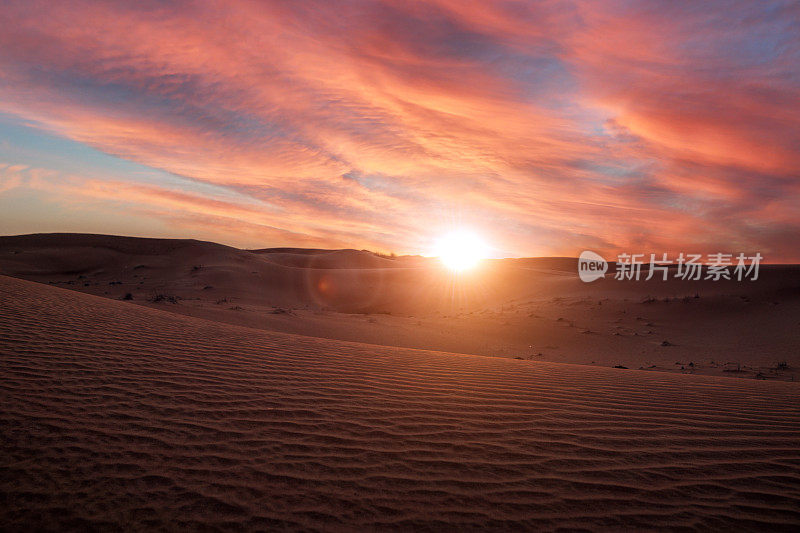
(159, 297)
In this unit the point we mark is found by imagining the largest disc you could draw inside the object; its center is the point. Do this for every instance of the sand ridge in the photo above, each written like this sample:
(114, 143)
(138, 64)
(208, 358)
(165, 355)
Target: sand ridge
(529, 308)
(114, 413)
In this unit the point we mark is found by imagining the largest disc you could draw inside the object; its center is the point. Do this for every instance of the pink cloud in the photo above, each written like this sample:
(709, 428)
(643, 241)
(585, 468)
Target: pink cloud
(556, 126)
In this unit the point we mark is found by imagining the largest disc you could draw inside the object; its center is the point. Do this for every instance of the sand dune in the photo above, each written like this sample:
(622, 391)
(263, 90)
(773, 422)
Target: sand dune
(330, 259)
(114, 413)
(529, 308)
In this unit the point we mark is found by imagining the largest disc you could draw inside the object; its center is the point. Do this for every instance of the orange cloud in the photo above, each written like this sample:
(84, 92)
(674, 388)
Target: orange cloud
(556, 126)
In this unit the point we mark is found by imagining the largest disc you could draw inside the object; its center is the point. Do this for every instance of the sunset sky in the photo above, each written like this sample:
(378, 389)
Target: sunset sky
(547, 127)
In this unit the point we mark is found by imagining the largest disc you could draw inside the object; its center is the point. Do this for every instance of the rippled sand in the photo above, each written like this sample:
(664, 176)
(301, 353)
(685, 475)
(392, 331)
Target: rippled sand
(114, 415)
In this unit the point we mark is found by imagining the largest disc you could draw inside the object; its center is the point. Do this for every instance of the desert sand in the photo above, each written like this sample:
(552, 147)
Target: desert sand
(174, 384)
(116, 414)
(534, 309)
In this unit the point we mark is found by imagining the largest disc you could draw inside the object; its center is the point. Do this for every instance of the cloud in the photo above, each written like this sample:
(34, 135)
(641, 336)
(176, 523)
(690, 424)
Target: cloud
(554, 126)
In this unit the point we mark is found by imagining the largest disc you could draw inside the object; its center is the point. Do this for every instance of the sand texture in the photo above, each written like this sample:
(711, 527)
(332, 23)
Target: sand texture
(120, 416)
(534, 309)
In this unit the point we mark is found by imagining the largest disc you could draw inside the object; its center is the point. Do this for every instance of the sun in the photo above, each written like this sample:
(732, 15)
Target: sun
(461, 250)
